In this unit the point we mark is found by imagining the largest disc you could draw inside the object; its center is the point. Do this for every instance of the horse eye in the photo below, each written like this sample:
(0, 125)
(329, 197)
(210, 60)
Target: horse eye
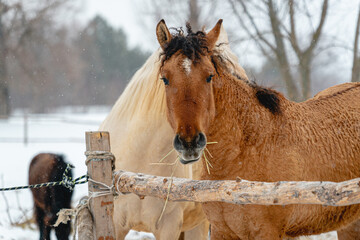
(209, 78)
(165, 80)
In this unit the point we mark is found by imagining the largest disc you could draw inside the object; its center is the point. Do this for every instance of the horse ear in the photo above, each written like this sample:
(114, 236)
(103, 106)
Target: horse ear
(213, 35)
(223, 37)
(163, 35)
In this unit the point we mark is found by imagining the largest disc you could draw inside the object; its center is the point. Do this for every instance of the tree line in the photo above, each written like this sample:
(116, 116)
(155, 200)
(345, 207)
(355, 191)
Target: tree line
(46, 64)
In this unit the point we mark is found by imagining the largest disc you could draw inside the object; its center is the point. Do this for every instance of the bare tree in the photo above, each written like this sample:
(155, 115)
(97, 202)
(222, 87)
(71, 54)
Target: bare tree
(198, 13)
(284, 36)
(355, 71)
(4, 86)
(306, 55)
(194, 14)
(18, 21)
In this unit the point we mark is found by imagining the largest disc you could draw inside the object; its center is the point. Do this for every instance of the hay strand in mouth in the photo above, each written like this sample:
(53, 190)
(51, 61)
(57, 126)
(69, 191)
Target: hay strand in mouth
(167, 155)
(169, 189)
(207, 163)
(162, 159)
(207, 150)
(167, 164)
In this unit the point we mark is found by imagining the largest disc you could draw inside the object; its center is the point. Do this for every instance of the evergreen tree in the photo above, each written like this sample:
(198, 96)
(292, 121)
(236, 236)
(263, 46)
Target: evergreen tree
(109, 60)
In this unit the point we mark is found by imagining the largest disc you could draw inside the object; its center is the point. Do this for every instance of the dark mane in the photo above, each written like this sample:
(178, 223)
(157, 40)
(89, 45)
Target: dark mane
(192, 45)
(267, 97)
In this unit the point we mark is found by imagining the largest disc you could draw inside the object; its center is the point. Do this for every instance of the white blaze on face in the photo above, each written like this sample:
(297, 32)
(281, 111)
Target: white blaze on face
(187, 66)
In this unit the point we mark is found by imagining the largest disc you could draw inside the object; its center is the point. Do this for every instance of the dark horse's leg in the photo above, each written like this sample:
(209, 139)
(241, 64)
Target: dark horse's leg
(62, 231)
(61, 198)
(43, 228)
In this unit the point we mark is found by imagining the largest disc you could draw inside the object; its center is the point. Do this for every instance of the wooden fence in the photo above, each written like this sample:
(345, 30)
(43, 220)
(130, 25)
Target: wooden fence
(99, 163)
(104, 183)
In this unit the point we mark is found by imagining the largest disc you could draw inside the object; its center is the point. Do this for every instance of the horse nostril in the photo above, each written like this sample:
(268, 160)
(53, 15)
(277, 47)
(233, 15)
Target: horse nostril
(178, 144)
(198, 142)
(201, 140)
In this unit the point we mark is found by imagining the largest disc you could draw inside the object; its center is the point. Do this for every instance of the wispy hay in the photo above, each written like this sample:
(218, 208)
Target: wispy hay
(162, 159)
(169, 189)
(207, 162)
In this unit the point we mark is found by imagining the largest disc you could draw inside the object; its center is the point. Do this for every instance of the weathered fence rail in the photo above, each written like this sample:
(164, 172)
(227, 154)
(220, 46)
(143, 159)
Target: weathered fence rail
(240, 191)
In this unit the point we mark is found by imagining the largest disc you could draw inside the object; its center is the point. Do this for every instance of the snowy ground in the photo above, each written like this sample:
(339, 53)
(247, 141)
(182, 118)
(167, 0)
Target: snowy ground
(62, 132)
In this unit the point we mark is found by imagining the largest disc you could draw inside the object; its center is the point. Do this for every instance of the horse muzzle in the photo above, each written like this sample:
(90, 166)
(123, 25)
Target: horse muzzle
(190, 151)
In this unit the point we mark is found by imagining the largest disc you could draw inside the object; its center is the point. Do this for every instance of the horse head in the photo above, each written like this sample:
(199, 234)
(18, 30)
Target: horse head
(188, 73)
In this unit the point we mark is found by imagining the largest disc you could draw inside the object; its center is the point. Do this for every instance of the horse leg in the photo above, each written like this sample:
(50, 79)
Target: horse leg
(170, 225)
(121, 232)
(350, 232)
(43, 228)
(200, 232)
(63, 231)
(120, 218)
(46, 233)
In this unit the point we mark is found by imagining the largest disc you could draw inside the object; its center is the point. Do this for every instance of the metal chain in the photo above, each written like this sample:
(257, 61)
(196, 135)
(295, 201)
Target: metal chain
(66, 182)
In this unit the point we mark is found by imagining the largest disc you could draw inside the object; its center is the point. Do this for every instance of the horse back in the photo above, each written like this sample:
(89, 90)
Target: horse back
(334, 90)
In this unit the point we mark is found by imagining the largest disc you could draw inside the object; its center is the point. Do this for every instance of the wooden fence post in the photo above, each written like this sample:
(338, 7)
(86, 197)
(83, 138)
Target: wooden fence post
(100, 170)
(84, 221)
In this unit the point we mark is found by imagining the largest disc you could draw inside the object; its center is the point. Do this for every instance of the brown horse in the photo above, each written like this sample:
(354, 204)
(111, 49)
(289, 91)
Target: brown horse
(260, 135)
(47, 167)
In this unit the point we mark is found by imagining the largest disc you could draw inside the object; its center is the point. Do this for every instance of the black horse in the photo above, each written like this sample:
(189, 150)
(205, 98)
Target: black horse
(47, 167)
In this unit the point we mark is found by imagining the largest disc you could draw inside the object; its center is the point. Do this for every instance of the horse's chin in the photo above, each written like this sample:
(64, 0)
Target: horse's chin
(190, 156)
(188, 161)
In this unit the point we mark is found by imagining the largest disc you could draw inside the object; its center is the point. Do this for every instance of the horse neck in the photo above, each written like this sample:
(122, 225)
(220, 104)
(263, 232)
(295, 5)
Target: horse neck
(240, 122)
